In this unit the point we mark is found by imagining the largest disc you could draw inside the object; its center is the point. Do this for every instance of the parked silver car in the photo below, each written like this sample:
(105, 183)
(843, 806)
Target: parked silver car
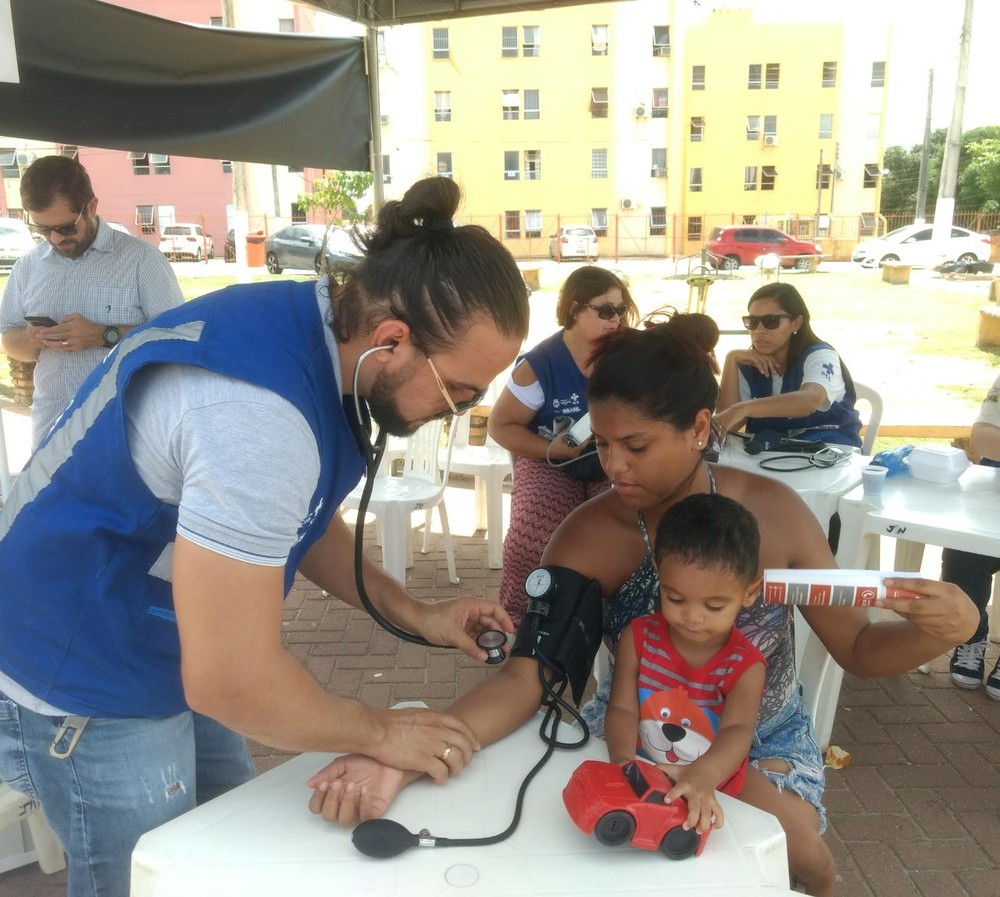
(15, 240)
(298, 246)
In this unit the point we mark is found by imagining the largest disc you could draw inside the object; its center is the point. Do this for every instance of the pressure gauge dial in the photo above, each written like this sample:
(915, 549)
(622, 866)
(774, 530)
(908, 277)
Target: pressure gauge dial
(538, 583)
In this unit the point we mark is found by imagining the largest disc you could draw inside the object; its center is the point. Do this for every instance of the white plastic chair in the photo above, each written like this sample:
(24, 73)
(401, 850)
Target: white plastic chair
(419, 488)
(25, 836)
(490, 464)
(821, 677)
(874, 401)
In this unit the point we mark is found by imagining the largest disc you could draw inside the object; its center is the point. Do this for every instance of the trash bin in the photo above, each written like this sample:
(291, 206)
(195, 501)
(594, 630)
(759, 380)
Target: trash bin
(255, 249)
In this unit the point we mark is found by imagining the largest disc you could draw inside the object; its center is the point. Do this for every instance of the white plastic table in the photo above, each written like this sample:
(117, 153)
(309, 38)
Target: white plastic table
(260, 840)
(819, 487)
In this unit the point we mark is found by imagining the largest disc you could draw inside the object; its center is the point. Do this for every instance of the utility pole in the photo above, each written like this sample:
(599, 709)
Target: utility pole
(925, 154)
(241, 216)
(819, 192)
(944, 212)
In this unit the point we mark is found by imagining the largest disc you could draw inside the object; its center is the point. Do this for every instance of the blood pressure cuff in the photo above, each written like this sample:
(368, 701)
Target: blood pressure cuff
(562, 627)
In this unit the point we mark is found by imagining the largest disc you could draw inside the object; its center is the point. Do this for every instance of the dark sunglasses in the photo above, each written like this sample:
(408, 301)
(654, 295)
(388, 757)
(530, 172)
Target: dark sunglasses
(607, 311)
(64, 230)
(770, 322)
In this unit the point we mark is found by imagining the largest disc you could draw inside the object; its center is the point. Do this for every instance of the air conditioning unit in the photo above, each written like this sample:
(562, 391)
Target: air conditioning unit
(627, 204)
(770, 140)
(640, 110)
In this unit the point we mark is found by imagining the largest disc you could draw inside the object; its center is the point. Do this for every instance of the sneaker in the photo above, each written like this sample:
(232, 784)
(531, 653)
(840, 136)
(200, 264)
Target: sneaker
(993, 683)
(968, 663)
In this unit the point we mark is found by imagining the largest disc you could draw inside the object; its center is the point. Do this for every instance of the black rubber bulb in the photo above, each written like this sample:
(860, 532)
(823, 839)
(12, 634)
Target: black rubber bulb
(383, 838)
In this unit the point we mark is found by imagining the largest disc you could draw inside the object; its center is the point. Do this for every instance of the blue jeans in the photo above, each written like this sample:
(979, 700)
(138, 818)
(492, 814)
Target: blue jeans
(125, 777)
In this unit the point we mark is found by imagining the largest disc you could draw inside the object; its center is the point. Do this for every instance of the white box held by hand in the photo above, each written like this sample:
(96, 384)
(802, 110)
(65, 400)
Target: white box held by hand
(831, 588)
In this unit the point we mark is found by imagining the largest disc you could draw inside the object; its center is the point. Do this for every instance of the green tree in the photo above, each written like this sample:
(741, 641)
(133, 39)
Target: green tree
(336, 195)
(899, 186)
(979, 170)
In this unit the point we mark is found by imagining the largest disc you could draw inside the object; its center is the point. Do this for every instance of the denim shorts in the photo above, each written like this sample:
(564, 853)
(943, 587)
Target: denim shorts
(788, 736)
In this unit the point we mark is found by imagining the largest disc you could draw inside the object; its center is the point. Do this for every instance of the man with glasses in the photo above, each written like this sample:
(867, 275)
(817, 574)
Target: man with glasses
(93, 282)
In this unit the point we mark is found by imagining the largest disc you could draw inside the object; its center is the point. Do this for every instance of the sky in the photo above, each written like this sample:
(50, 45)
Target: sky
(924, 36)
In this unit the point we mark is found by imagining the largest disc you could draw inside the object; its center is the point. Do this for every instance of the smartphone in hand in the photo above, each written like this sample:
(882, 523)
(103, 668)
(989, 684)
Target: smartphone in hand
(40, 320)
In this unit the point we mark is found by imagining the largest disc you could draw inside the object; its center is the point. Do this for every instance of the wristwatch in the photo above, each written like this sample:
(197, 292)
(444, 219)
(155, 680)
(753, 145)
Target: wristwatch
(111, 337)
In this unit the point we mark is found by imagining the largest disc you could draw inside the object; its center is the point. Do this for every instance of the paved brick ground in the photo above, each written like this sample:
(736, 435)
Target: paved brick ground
(916, 813)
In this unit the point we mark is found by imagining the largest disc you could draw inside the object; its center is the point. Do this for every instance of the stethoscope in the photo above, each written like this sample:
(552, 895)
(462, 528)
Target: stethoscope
(385, 838)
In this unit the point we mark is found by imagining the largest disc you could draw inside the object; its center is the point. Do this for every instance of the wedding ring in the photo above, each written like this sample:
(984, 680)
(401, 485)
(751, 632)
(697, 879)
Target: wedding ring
(446, 754)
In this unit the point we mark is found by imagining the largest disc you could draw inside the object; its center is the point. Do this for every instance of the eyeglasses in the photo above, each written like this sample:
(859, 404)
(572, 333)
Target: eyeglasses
(770, 322)
(607, 311)
(64, 230)
(459, 407)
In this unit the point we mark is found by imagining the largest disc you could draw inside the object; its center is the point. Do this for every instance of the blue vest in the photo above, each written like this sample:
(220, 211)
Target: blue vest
(86, 614)
(562, 382)
(840, 423)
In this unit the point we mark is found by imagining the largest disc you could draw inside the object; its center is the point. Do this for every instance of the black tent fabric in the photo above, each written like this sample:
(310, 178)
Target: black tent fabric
(98, 75)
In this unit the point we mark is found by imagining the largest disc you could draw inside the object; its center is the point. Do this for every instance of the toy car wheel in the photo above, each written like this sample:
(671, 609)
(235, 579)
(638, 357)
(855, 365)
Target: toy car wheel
(678, 844)
(615, 828)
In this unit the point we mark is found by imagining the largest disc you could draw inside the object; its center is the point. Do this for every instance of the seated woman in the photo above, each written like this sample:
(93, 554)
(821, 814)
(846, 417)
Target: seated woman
(652, 434)
(547, 387)
(789, 380)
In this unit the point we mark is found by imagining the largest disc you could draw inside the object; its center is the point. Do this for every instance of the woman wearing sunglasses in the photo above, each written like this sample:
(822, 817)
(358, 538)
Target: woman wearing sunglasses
(545, 394)
(789, 380)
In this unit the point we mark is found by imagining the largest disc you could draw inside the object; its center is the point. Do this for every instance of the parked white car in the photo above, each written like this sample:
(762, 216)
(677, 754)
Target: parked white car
(15, 240)
(914, 245)
(574, 241)
(186, 241)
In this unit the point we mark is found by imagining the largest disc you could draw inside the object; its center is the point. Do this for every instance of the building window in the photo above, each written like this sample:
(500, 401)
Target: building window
(768, 175)
(386, 170)
(532, 222)
(511, 165)
(697, 77)
(298, 214)
(824, 176)
(658, 162)
(694, 228)
(140, 162)
(442, 105)
(660, 105)
(532, 165)
(657, 221)
(160, 163)
(753, 127)
(874, 130)
(661, 40)
(599, 221)
(694, 180)
(750, 177)
(227, 166)
(825, 125)
(439, 38)
(286, 26)
(508, 40)
(144, 220)
(444, 168)
(872, 173)
(531, 40)
(867, 224)
(754, 76)
(380, 47)
(598, 163)
(511, 105)
(697, 129)
(829, 74)
(532, 107)
(772, 75)
(69, 150)
(8, 162)
(598, 102)
(878, 74)
(215, 22)
(598, 40)
(770, 125)
(512, 224)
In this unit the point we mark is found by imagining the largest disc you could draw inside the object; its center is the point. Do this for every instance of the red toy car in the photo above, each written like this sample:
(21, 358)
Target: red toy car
(624, 804)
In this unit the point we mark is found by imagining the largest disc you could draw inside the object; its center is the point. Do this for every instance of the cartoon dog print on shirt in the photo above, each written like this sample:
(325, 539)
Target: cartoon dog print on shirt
(672, 728)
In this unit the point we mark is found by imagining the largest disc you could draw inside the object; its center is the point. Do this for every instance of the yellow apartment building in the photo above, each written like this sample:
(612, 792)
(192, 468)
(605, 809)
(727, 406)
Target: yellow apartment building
(652, 121)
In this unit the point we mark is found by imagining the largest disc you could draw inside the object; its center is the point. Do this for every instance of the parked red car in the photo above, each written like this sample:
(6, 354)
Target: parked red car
(742, 244)
(624, 804)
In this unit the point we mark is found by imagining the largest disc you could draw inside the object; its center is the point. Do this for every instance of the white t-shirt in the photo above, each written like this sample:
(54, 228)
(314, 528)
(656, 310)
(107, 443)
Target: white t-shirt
(989, 413)
(821, 367)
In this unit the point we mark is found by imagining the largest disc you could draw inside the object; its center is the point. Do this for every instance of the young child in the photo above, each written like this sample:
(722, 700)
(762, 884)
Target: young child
(687, 684)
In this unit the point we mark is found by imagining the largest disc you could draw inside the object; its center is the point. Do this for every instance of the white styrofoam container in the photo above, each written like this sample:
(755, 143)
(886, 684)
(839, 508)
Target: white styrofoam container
(937, 463)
